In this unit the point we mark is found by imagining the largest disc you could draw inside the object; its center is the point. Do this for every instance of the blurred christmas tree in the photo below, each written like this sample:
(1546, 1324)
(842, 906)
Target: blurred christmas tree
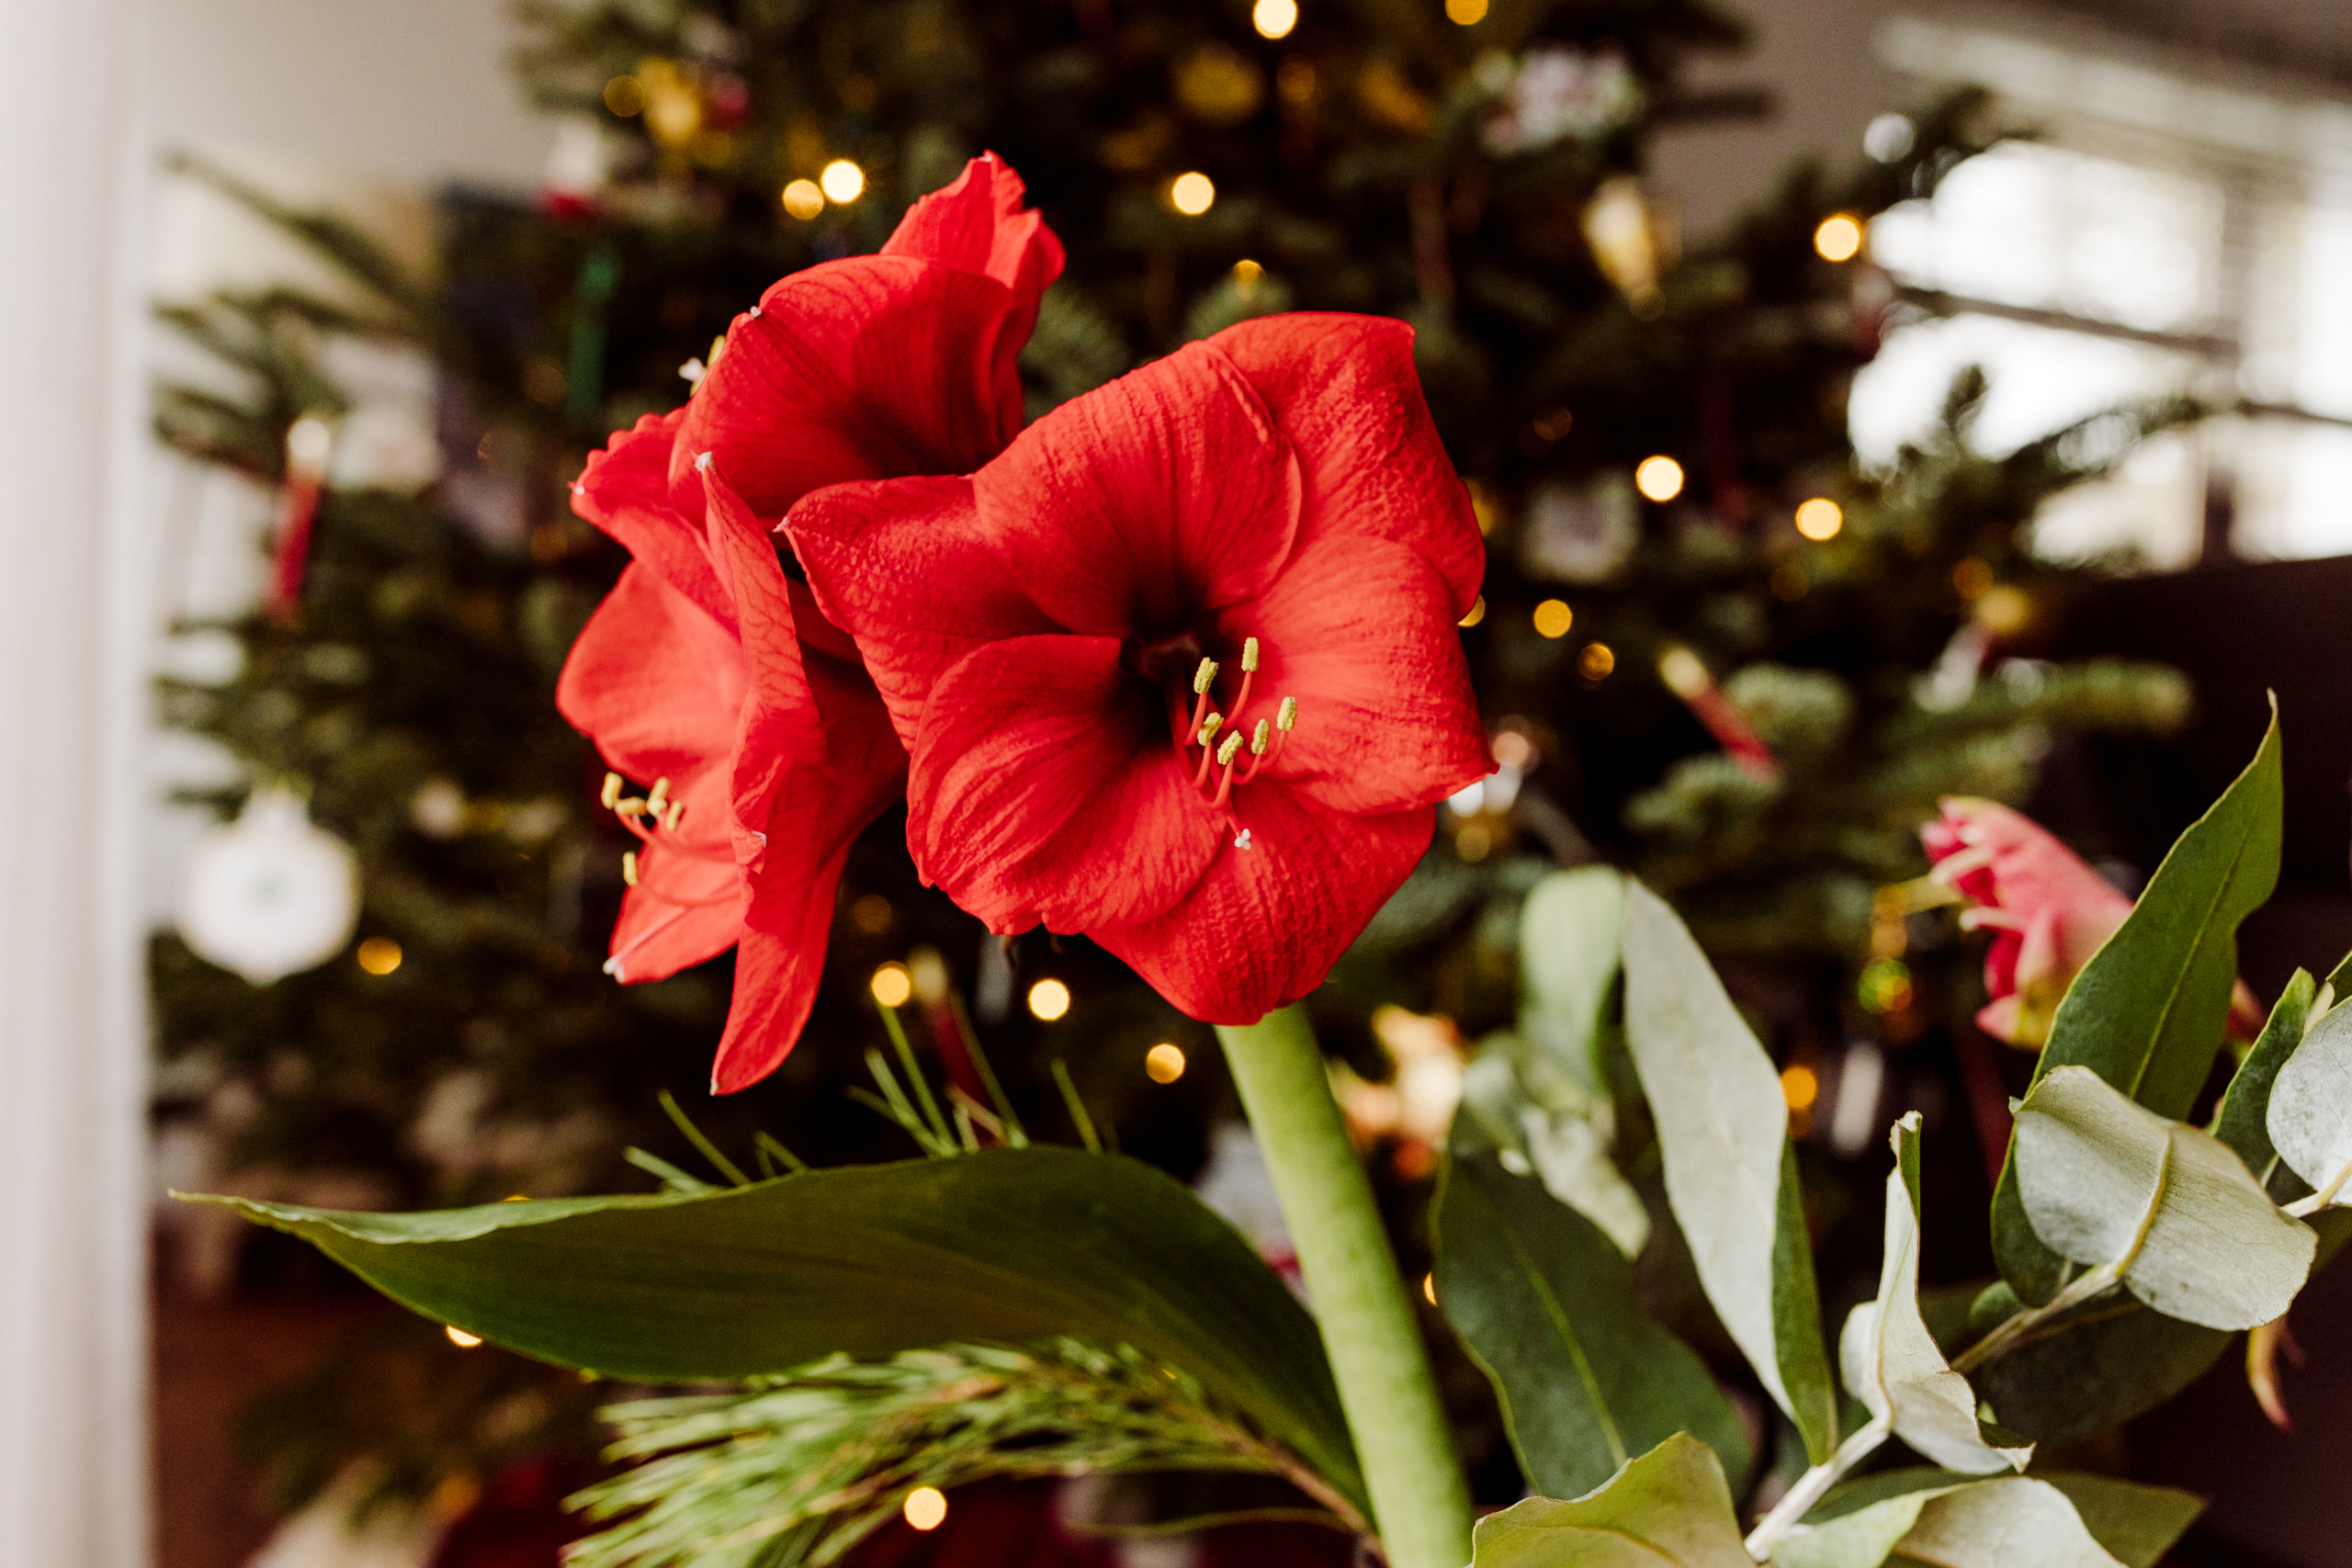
(1712, 647)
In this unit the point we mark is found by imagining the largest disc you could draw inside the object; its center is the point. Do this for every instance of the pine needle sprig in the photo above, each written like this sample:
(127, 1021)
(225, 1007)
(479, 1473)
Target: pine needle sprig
(799, 1469)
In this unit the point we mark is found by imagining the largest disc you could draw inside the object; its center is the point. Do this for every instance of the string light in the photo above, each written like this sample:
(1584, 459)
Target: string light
(1192, 193)
(803, 199)
(1596, 661)
(925, 1508)
(625, 96)
(1466, 13)
(1274, 18)
(1660, 477)
(1839, 239)
(1048, 1000)
(1164, 1063)
(841, 181)
(1553, 618)
(893, 983)
(1478, 613)
(380, 955)
(1820, 519)
(1800, 1086)
(461, 1338)
(1428, 1288)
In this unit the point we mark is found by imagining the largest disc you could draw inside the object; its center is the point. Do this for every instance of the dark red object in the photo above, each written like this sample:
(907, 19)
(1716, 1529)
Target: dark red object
(518, 1522)
(1036, 628)
(297, 510)
(708, 667)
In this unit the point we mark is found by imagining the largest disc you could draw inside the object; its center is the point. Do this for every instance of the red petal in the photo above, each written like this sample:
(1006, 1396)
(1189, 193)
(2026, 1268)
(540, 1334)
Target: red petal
(978, 224)
(687, 906)
(1361, 631)
(881, 559)
(781, 958)
(1134, 508)
(654, 681)
(626, 491)
(861, 368)
(1047, 790)
(1266, 923)
(1344, 391)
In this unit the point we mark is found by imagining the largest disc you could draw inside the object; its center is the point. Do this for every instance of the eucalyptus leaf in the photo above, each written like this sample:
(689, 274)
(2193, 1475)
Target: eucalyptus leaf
(1568, 1145)
(1730, 1172)
(1929, 1514)
(1546, 1306)
(1890, 1361)
(2242, 1121)
(2136, 1524)
(1570, 932)
(2147, 1012)
(2110, 1183)
(1008, 1246)
(1669, 1508)
(2310, 1115)
(2013, 1522)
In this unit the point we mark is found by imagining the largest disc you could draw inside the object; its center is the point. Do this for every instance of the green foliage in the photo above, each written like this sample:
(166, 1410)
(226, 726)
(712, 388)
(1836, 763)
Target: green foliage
(1007, 1246)
(2308, 1116)
(1546, 1303)
(1670, 1505)
(2058, 1520)
(800, 1468)
(2243, 1120)
(2147, 1013)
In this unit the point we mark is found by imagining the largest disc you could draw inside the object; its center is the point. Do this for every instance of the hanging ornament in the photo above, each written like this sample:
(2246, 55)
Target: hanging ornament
(1687, 676)
(1633, 240)
(309, 441)
(270, 895)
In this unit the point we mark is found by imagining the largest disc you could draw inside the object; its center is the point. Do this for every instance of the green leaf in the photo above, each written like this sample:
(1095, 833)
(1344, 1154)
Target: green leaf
(2147, 1012)
(2136, 1524)
(1008, 1246)
(2243, 1122)
(1570, 932)
(2096, 1367)
(1890, 1361)
(2014, 1522)
(2168, 1207)
(1667, 1509)
(1546, 1306)
(2309, 1117)
(2064, 1521)
(1730, 1172)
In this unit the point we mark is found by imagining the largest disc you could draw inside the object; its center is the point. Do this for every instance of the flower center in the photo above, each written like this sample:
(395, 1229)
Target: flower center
(644, 816)
(1265, 739)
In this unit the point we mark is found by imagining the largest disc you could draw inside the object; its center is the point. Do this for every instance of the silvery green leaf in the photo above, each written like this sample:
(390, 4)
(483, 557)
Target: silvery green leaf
(1935, 1515)
(2110, 1183)
(2310, 1117)
(2243, 1120)
(2136, 1524)
(1891, 1360)
(1730, 1174)
(1669, 1508)
(1570, 1154)
(2013, 1522)
(1569, 935)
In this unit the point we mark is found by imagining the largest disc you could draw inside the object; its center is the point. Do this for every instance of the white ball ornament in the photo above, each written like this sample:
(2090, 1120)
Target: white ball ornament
(270, 895)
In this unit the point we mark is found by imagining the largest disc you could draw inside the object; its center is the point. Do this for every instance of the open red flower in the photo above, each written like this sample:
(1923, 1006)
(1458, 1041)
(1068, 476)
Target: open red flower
(1179, 670)
(708, 673)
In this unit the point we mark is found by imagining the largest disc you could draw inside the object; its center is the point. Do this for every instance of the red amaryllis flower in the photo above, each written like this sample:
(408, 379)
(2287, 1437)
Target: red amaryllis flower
(1179, 670)
(2047, 912)
(711, 674)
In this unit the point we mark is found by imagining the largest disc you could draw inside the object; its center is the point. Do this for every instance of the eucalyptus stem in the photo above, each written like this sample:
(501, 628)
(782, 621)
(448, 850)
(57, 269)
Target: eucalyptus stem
(1812, 1485)
(1420, 1504)
(2006, 1333)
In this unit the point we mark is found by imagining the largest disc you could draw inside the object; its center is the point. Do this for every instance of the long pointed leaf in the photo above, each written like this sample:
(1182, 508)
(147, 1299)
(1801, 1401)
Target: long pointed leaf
(1007, 1246)
(2147, 1012)
(2244, 1120)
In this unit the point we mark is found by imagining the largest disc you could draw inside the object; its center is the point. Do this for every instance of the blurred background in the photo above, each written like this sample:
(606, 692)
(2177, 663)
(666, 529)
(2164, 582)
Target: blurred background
(1866, 401)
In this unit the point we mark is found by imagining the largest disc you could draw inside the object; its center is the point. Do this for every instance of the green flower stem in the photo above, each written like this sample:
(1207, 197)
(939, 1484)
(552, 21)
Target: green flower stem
(1419, 1499)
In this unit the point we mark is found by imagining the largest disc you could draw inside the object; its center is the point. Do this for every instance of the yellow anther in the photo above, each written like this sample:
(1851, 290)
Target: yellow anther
(677, 810)
(1258, 740)
(1230, 749)
(1205, 677)
(660, 798)
(632, 807)
(629, 866)
(1248, 654)
(612, 795)
(1210, 725)
(1286, 717)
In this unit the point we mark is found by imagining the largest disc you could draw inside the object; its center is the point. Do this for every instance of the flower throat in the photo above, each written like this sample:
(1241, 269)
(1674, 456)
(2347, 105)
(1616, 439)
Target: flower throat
(1265, 740)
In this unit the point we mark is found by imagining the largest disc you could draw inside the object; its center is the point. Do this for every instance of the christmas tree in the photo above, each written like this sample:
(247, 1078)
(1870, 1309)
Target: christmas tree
(1711, 649)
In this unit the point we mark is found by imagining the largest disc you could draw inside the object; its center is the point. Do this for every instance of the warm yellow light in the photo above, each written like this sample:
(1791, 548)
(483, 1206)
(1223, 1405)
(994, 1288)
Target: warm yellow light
(1684, 672)
(2004, 610)
(1428, 1288)
(625, 96)
(1164, 1063)
(1247, 274)
(1478, 613)
(461, 1338)
(1049, 999)
(1660, 477)
(926, 1508)
(871, 914)
(1820, 518)
(1800, 1086)
(841, 181)
(1596, 661)
(1466, 13)
(1473, 842)
(1839, 239)
(1553, 618)
(893, 983)
(380, 955)
(1274, 18)
(803, 199)
(1193, 194)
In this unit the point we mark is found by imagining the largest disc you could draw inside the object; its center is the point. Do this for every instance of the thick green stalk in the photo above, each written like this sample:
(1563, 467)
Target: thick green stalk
(1419, 1503)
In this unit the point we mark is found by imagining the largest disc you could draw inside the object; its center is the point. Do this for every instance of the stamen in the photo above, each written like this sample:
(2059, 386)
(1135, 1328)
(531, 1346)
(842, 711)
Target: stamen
(1224, 756)
(1286, 716)
(1205, 676)
(628, 867)
(612, 795)
(1202, 679)
(1256, 751)
(660, 798)
(1285, 720)
(633, 806)
(1208, 735)
(1249, 672)
(677, 810)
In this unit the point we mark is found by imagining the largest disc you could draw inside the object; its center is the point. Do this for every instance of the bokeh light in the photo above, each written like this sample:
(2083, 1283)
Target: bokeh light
(1596, 661)
(893, 985)
(1274, 18)
(925, 1508)
(1800, 1086)
(1660, 477)
(1466, 13)
(1553, 618)
(1839, 239)
(380, 955)
(1820, 518)
(1164, 1062)
(803, 199)
(1192, 193)
(841, 181)
(1478, 613)
(461, 1338)
(1048, 1000)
